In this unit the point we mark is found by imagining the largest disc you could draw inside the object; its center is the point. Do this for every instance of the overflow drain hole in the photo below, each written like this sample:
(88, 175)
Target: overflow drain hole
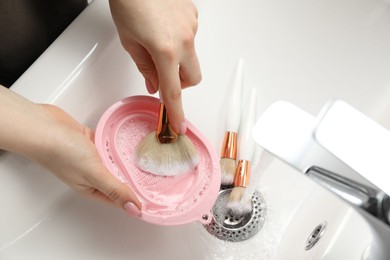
(315, 235)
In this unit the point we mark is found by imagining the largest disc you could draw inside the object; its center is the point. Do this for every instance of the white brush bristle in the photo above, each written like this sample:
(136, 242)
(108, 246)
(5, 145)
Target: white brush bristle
(228, 170)
(168, 159)
(238, 204)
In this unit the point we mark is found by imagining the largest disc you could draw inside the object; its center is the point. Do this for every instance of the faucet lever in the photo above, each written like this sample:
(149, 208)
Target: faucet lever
(357, 140)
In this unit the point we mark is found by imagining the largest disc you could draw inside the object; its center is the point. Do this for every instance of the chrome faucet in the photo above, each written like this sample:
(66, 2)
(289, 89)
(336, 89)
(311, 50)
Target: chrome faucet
(373, 201)
(339, 134)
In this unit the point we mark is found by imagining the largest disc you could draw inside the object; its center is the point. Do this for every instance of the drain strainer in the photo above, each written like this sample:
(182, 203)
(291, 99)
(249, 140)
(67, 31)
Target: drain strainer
(227, 227)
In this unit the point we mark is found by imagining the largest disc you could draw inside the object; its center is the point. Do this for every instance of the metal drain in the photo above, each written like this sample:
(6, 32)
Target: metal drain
(235, 229)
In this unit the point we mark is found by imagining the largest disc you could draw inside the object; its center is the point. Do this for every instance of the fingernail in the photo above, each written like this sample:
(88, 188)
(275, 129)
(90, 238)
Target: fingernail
(131, 209)
(149, 86)
(183, 128)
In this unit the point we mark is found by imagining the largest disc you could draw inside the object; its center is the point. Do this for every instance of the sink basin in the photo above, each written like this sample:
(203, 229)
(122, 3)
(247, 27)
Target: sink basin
(304, 52)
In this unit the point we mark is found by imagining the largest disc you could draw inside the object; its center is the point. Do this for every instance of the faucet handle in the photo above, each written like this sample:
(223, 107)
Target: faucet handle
(357, 140)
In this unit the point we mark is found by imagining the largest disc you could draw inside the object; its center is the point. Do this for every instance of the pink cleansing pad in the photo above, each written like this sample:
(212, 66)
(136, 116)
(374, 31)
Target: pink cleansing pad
(166, 200)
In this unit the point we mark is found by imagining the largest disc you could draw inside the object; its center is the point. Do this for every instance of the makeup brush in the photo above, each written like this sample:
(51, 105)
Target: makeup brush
(246, 148)
(233, 114)
(261, 161)
(163, 152)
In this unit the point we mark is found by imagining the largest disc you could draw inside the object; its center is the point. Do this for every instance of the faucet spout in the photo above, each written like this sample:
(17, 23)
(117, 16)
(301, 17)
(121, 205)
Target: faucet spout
(373, 201)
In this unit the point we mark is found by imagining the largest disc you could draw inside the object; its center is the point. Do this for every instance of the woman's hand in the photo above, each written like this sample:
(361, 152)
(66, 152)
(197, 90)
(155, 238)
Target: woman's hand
(159, 35)
(73, 158)
(49, 136)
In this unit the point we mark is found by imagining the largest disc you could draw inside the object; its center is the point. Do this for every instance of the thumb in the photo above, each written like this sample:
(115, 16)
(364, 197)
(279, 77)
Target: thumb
(111, 189)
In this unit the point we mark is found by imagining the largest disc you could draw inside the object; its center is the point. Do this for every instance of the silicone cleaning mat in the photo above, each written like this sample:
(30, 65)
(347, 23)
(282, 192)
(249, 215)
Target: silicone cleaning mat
(166, 200)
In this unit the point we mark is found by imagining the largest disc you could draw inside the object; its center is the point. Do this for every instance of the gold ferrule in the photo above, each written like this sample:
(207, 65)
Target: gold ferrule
(243, 174)
(229, 145)
(165, 133)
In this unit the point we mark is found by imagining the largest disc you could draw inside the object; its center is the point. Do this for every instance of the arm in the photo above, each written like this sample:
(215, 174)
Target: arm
(159, 36)
(52, 138)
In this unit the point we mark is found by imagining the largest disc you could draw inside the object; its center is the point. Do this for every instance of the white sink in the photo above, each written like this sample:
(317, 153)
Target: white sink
(304, 52)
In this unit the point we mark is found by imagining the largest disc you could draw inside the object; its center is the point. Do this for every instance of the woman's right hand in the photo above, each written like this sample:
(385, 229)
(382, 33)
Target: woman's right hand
(160, 37)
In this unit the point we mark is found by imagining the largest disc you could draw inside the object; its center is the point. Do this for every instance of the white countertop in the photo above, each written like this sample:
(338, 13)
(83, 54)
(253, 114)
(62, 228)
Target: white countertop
(305, 52)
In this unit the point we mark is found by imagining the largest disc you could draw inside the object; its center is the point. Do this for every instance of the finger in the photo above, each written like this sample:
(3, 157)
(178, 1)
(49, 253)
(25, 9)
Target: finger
(116, 191)
(170, 89)
(129, 207)
(89, 133)
(97, 194)
(190, 74)
(145, 65)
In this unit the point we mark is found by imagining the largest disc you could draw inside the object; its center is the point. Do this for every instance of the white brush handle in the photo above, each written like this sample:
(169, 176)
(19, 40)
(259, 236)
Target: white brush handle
(233, 115)
(246, 144)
